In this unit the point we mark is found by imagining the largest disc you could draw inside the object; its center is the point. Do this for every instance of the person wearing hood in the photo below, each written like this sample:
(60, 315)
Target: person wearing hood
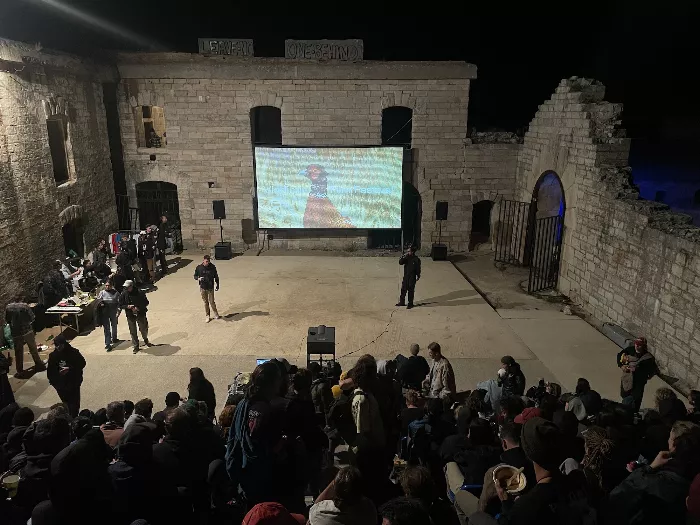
(321, 393)
(135, 480)
(135, 303)
(42, 441)
(201, 389)
(79, 486)
(65, 373)
(12, 445)
(513, 382)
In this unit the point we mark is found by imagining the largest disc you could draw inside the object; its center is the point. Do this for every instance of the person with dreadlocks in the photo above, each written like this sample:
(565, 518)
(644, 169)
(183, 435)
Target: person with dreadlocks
(601, 471)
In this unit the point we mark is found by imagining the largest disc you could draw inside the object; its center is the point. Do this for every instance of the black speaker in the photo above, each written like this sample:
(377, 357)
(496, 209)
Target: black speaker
(439, 252)
(441, 211)
(222, 250)
(320, 341)
(219, 209)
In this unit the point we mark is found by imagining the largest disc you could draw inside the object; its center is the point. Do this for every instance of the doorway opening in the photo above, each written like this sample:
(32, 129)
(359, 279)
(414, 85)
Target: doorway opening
(156, 198)
(73, 240)
(481, 224)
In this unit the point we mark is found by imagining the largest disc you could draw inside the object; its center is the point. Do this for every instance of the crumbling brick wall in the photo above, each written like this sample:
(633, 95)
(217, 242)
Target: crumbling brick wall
(32, 84)
(207, 101)
(627, 261)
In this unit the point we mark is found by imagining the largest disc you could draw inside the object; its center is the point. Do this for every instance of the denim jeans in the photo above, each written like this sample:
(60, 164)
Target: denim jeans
(109, 323)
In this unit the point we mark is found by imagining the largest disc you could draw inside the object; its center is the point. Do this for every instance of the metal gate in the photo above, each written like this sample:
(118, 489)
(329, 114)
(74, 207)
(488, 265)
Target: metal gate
(512, 232)
(156, 199)
(546, 253)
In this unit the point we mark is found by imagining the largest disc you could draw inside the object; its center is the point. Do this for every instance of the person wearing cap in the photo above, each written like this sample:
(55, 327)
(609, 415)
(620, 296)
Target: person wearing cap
(207, 276)
(65, 373)
(513, 382)
(638, 366)
(135, 303)
(411, 275)
(272, 514)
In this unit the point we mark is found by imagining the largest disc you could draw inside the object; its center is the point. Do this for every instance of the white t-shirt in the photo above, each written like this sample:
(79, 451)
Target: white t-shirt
(326, 513)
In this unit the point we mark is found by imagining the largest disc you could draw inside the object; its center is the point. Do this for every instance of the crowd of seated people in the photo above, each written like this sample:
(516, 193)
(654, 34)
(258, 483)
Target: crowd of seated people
(368, 445)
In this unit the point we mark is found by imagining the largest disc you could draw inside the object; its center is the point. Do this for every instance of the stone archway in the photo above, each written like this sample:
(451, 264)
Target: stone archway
(73, 230)
(481, 223)
(548, 195)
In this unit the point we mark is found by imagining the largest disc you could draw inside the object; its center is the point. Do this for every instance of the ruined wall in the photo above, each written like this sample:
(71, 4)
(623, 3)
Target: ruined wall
(33, 86)
(207, 103)
(627, 261)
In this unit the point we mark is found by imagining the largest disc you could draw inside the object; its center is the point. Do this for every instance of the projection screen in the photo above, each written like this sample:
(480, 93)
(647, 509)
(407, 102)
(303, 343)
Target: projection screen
(325, 187)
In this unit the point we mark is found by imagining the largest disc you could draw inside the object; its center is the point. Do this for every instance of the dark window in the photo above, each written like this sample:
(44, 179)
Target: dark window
(660, 196)
(59, 152)
(397, 126)
(152, 127)
(266, 126)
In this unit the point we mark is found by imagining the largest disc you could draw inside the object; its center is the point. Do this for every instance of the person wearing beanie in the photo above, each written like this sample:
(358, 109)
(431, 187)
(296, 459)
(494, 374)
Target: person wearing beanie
(638, 367)
(65, 373)
(135, 303)
(527, 414)
(272, 514)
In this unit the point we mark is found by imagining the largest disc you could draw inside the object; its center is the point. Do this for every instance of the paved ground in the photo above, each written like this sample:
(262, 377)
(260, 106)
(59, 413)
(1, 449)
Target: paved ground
(268, 303)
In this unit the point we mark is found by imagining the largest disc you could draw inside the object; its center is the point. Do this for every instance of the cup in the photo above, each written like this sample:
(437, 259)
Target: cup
(9, 483)
(503, 473)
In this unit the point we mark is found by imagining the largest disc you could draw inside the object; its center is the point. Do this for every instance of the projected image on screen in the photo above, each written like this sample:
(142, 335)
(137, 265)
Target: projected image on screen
(329, 187)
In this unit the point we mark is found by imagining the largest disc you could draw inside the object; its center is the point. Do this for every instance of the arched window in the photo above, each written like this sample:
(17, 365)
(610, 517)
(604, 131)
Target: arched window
(397, 126)
(266, 126)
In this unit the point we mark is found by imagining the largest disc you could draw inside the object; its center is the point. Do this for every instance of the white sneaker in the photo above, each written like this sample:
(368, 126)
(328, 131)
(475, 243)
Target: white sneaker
(207, 319)
(217, 316)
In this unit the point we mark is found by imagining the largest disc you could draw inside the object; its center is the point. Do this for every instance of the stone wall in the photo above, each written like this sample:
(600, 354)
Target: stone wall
(626, 260)
(33, 86)
(207, 103)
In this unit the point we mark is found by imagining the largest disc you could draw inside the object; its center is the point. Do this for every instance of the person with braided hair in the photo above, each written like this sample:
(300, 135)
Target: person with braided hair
(601, 472)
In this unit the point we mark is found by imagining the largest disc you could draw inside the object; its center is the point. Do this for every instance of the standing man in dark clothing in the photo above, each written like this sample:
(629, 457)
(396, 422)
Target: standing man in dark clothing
(207, 275)
(162, 245)
(55, 288)
(414, 370)
(135, 303)
(411, 274)
(638, 366)
(65, 373)
(146, 254)
(20, 317)
(513, 382)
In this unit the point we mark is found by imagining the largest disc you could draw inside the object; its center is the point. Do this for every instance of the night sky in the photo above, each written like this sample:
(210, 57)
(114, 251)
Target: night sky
(644, 58)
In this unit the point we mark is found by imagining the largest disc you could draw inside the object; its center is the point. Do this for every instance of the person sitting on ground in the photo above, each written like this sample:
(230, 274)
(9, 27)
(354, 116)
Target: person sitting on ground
(415, 410)
(128, 408)
(272, 513)
(573, 446)
(404, 511)
(321, 393)
(513, 382)
(441, 378)
(42, 441)
(599, 465)
(591, 399)
(342, 502)
(412, 371)
(483, 453)
(417, 483)
(12, 444)
(513, 454)
(459, 441)
(172, 401)
(511, 407)
(80, 426)
(494, 390)
(114, 427)
(657, 493)
(143, 410)
(575, 405)
(226, 420)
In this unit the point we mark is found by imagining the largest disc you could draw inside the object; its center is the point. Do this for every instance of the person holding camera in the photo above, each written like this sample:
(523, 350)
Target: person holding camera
(207, 275)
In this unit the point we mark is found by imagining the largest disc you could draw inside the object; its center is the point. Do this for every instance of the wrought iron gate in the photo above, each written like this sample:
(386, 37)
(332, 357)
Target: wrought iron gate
(546, 253)
(156, 199)
(512, 232)
(523, 239)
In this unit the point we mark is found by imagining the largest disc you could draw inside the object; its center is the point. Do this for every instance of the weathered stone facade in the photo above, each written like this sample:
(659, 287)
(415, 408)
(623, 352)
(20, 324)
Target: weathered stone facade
(627, 261)
(36, 86)
(207, 103)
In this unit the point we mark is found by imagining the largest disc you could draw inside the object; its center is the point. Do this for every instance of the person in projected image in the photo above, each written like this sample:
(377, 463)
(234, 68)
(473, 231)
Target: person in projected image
(320, 211)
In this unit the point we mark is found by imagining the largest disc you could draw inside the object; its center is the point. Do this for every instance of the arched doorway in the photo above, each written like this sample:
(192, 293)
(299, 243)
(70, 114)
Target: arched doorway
(545, 232)
(481, 224)
(73, 240)
(156, 198)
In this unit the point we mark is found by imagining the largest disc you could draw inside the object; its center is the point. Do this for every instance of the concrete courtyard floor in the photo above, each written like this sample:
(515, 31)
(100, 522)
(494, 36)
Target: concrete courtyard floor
(268, 303)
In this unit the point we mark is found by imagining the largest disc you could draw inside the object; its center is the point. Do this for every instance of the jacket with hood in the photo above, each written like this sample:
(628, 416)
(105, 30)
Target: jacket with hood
(135, 297)
(66, 357)
(514, 382)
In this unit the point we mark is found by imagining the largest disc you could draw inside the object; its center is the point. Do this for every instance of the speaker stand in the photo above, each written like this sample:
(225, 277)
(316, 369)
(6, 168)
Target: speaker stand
(222, 231)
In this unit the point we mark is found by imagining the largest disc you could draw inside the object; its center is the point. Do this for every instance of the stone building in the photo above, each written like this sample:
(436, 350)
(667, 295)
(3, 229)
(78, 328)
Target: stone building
(208, 105)
(627, 261)
(56, 188)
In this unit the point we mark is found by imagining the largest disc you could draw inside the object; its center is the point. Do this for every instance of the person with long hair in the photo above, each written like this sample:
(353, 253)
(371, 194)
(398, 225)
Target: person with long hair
(254, 452)
(201, 389)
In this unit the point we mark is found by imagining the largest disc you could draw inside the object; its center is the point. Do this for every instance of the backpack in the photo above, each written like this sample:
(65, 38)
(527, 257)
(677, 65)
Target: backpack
(340, 418)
